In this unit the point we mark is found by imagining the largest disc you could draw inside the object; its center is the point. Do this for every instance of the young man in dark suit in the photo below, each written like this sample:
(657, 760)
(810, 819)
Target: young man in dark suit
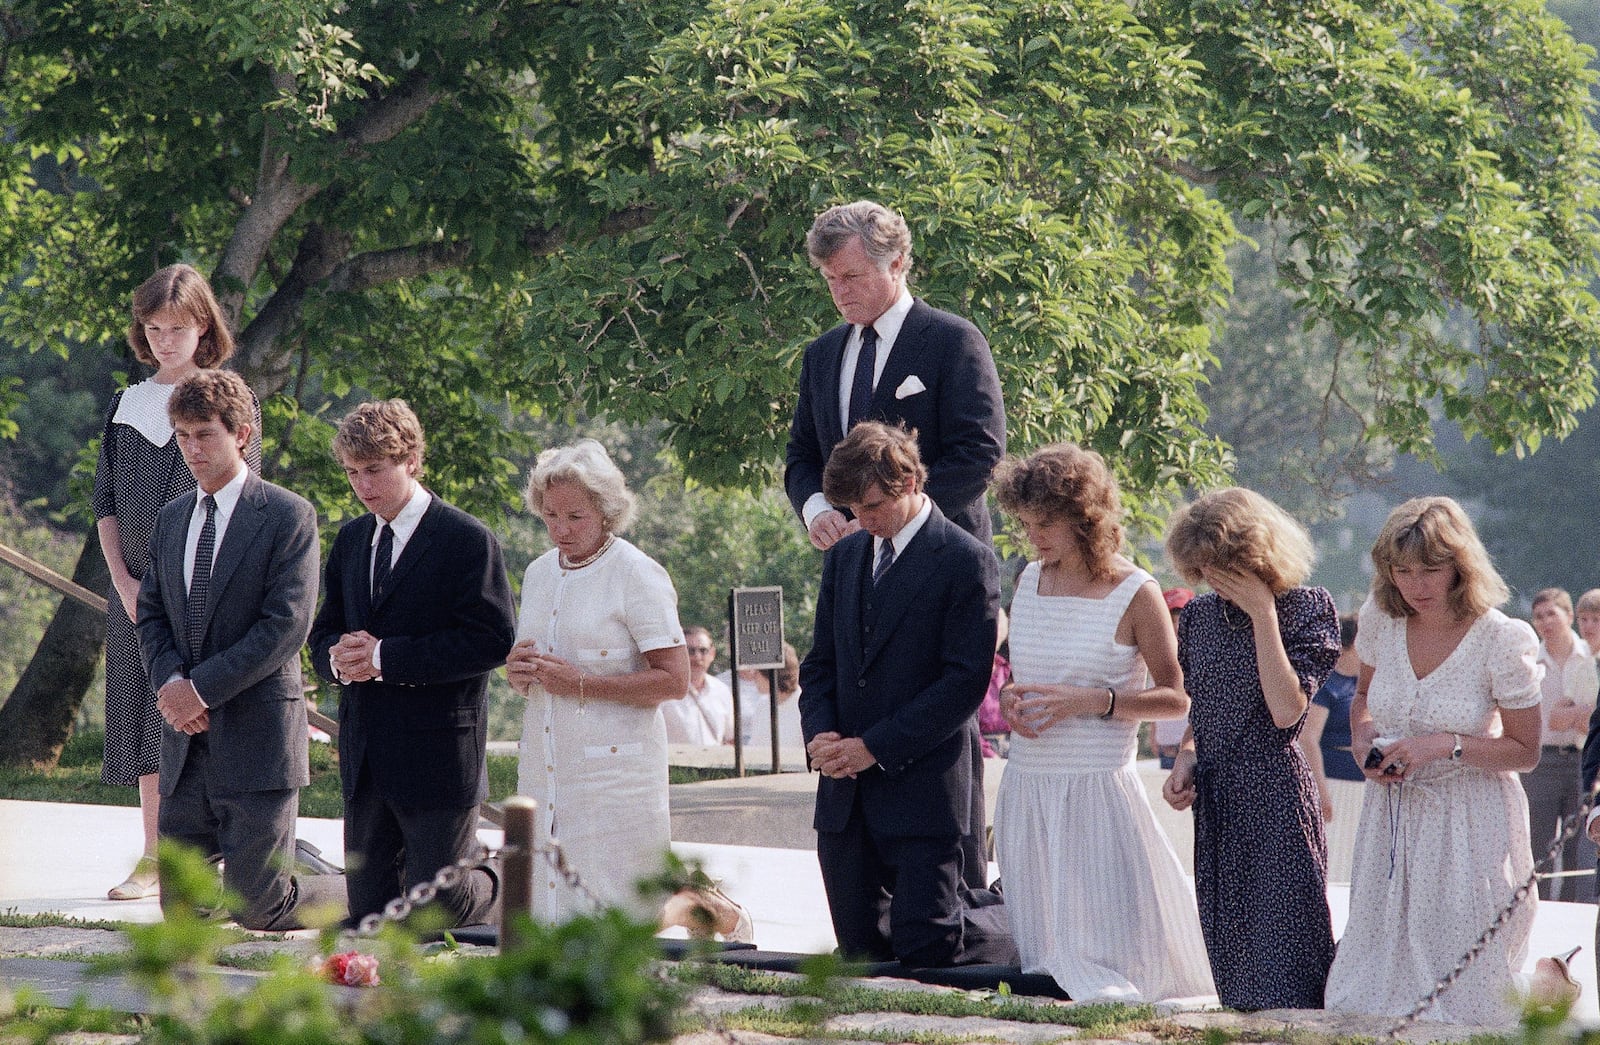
(223, 611)
(895, 359)
(416, 613)
(900, 660)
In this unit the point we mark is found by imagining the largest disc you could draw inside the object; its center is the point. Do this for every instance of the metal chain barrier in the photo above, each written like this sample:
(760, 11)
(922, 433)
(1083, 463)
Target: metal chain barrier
(451, 875)
(1569, 827)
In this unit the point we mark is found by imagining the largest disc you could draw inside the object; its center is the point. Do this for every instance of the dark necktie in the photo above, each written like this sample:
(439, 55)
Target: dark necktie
(885, 560)
(200, 581)
(380, 562)
(861, 384)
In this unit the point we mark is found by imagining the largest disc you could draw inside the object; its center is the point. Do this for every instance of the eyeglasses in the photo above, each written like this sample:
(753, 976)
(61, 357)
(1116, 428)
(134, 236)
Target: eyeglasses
(700, 649)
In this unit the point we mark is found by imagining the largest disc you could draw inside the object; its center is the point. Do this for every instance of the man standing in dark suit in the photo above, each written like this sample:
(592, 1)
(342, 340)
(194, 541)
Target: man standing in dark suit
(223, 611)
(1590, 771)
(893, 359)
(900, 660)
(416, 613)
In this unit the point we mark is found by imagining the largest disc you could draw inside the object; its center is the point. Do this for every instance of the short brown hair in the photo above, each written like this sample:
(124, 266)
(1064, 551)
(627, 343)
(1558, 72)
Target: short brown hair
(181, 289)
(1559, 596)
(1435, 531)
(873, 454)
(1238, 529)
(213, 395)
(1066, 482)
(883, 233)
(1589, 601)
(384, 430)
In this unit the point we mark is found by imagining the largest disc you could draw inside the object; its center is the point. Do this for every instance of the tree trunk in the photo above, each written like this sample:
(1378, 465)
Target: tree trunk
(36, 720)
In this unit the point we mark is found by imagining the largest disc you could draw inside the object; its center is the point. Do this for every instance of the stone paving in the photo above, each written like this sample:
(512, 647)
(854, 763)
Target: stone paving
(49, 960)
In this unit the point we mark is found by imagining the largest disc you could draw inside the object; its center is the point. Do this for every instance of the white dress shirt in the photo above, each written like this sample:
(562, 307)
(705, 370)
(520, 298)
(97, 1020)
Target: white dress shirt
(888, 327)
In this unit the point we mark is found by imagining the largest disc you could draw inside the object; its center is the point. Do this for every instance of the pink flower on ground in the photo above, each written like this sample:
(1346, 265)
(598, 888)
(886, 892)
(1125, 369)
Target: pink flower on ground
(351, 969)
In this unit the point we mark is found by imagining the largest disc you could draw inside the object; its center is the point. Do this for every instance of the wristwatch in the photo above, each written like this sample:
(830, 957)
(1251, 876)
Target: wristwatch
(1455, 754)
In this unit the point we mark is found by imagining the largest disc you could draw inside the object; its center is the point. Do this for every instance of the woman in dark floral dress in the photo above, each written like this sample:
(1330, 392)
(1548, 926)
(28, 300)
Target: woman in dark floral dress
(1253, 650)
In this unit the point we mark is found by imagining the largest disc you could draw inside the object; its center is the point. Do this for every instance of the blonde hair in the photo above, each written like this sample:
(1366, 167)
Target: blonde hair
(1435, 531)
(1238, 529)
(586, 464)
(1589, 601)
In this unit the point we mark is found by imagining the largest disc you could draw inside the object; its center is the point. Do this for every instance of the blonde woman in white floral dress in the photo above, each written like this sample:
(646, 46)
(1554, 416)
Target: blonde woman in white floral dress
(1449, 693)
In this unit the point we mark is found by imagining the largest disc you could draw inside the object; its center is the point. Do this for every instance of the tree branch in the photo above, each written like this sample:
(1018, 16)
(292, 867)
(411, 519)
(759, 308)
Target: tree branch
(368, 270)
(1189, 172)
(541, 242)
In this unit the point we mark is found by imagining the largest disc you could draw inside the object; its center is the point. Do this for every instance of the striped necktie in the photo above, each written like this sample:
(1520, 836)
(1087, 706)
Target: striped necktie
(885, 560)
(380, 561)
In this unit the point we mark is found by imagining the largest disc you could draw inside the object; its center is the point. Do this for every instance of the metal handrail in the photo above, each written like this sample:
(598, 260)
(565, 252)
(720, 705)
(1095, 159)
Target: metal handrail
(45, 575)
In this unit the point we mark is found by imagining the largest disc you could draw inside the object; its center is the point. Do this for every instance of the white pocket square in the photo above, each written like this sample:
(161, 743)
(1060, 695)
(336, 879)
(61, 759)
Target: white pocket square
(910, 387)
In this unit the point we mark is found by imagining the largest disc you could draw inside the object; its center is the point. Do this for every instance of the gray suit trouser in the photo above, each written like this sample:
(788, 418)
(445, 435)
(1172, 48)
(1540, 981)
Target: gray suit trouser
(252, 832)
(1555, 792)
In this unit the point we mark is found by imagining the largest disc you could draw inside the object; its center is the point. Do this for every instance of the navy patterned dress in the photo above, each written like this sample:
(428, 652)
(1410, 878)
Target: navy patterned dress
(1260, 856)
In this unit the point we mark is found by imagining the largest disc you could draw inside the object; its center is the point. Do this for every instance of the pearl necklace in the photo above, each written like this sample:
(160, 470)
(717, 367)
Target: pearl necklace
(605, 545)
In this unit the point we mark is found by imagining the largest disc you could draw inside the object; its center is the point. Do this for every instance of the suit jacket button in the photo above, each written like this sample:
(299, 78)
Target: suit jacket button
(861, 683)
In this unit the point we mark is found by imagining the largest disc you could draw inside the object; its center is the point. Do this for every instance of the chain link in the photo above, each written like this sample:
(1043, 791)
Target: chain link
(452, 875)
(1569, 827)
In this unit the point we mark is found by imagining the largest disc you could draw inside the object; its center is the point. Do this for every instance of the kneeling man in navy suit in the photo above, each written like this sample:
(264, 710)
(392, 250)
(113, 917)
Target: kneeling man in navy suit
(416, 612)
(899, 662)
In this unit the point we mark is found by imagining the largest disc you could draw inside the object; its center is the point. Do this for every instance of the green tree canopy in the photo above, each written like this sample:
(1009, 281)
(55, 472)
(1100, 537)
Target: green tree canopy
(488, 206)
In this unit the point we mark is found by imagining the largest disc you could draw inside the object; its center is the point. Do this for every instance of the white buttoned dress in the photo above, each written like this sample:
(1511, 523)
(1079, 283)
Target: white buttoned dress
(597, 768)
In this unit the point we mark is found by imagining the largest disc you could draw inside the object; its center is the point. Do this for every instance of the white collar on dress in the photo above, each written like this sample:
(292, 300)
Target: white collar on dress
(143, 407)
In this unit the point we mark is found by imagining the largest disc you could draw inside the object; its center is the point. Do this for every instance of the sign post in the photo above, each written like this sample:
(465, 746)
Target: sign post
(755, 629)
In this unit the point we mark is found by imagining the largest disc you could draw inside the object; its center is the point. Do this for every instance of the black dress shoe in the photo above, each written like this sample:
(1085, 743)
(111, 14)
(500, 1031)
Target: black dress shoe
(308, 859)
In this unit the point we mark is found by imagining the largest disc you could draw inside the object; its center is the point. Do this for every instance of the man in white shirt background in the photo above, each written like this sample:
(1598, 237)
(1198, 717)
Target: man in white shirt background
(703, 716)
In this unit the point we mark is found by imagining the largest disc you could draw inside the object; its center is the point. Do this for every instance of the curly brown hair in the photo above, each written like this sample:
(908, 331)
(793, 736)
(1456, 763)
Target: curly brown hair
(382, 430)
(1064, 481)
(182, 290)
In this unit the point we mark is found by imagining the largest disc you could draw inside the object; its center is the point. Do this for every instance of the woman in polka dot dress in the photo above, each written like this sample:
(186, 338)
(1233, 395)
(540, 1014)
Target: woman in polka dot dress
(1253, 650)
(177, 328)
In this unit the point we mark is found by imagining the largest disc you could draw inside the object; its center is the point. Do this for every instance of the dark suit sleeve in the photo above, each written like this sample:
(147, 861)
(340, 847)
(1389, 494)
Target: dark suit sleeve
(972, 423)
(158, 645)
(803, 461)
(285, 616)
(1591, 753)
(482, 625)
(330, 621)
(819, 672)
(966, 649)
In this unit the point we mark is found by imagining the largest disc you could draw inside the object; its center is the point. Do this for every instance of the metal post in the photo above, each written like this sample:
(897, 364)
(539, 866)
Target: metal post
(516, 867)
(772, 706)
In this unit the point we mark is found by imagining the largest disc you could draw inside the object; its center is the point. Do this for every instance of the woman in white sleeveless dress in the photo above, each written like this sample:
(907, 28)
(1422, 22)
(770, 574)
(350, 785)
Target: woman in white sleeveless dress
(1096, 894)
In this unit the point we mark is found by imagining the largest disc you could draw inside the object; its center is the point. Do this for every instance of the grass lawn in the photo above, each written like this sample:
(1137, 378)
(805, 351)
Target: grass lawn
(77, 779)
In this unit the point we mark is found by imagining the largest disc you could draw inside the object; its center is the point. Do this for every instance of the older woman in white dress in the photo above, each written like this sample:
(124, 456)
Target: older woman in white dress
(598, 649)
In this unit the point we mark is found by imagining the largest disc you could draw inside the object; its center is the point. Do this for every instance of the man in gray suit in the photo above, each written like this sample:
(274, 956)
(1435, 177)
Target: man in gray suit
(223, 611)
